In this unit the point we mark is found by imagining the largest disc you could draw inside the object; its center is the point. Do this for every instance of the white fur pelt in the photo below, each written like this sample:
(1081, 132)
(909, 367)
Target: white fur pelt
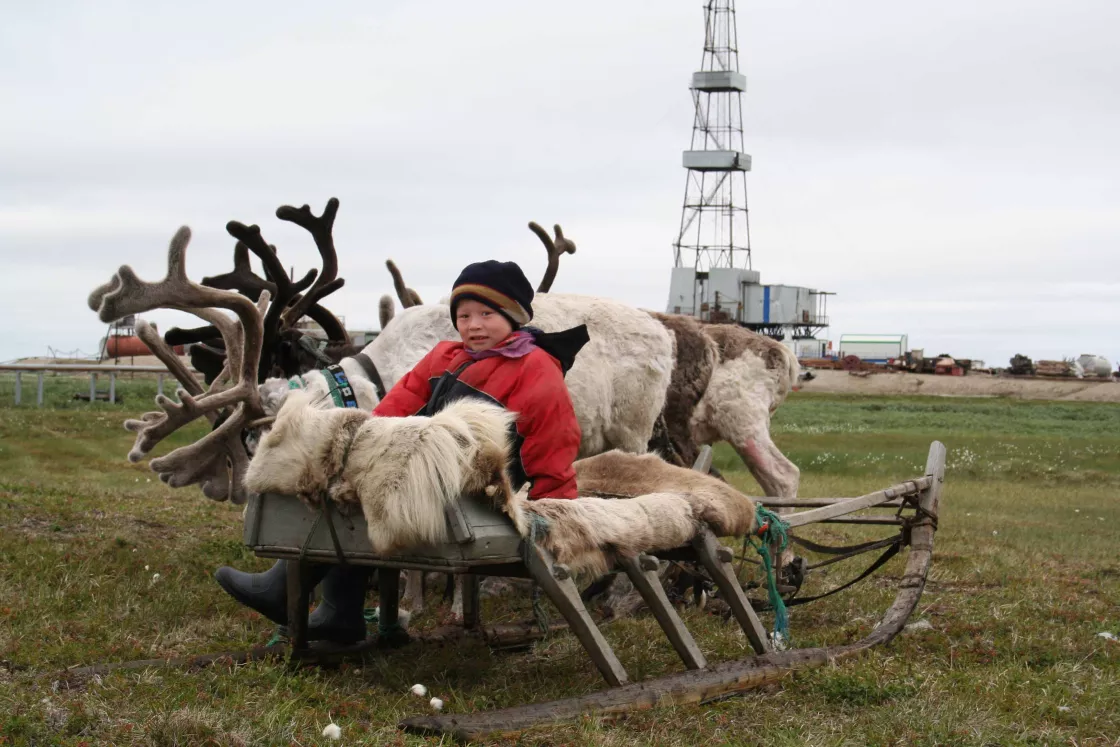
(618, 382)
(402, 471)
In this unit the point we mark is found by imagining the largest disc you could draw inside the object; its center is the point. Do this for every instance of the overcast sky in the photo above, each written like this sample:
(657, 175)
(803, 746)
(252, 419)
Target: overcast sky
(951, 170)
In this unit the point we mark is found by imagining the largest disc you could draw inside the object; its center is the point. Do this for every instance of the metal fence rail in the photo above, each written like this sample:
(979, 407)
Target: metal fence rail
(92, 369)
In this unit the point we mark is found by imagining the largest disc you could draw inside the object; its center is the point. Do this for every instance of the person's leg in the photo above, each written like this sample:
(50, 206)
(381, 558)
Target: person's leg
(265, 592)
(340, 615)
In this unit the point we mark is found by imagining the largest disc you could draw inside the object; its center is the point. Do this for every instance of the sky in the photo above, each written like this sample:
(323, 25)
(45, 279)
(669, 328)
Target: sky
(950, 170)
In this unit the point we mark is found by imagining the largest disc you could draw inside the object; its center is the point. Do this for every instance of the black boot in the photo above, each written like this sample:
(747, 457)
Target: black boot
(340, 615)
(265, 592)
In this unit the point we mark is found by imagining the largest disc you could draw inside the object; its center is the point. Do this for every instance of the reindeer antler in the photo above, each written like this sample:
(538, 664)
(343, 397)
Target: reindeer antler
(407, 296)
(321, 228)
(243, 279)
(203, 461)
(554, 249)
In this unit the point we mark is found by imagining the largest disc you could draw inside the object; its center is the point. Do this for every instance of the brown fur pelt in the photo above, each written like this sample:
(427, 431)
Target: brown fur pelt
(727, 511)
(694, 357)
(649, 505)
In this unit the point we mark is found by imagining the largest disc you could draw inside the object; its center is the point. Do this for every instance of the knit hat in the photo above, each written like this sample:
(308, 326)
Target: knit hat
(500, 285)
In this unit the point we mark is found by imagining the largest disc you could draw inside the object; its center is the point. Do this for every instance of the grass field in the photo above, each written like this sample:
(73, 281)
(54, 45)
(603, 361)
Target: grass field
(100, 562)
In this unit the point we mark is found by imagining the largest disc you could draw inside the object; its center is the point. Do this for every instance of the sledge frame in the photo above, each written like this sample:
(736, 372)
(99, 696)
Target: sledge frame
(486, 544)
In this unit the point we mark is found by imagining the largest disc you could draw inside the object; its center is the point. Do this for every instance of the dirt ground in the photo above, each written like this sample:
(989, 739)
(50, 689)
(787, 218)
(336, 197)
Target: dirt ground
(979, 385)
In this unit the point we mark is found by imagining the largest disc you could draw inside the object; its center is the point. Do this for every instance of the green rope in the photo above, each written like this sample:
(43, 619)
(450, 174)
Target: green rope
(391, 635)
(773, 535)
(279, 635)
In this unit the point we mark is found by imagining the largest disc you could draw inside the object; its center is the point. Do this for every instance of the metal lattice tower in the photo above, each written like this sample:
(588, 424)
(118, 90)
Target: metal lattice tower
(714, 229)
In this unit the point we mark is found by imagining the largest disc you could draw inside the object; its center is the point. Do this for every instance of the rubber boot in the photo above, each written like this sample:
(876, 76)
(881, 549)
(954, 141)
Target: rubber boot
(340, 617)
(266, 592)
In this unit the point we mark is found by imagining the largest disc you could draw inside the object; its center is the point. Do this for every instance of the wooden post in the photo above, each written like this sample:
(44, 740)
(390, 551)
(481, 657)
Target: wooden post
(471, 600)
(716, 559)
(556, 582)
(93, 387)
(19, 386)
(159, 384)
(643, 574)
(298, 599)
(113, 387)
(388, 593)
(39, 396)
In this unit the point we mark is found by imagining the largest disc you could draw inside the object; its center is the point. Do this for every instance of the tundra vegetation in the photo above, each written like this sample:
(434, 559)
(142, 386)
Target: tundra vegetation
(102, 562)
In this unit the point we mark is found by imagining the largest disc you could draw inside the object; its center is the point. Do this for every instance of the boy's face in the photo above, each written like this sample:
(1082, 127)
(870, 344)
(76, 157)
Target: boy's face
(480, 326)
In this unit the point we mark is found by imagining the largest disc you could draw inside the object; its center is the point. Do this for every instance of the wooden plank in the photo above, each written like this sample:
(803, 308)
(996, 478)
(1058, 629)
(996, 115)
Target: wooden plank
(716, 559)
(556, 582)
(460, 530)
(643, 574)
(815, 502)
(802, 518)
(869, 520)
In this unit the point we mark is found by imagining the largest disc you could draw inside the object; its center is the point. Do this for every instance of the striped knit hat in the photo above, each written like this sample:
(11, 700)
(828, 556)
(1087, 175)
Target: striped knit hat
(500, 285)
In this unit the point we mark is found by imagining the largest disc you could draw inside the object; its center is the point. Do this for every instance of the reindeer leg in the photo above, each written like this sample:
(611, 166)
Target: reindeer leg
(413, 599)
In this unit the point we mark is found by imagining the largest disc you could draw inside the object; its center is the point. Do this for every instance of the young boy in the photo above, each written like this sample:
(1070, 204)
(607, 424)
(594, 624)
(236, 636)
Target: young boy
(498, 359)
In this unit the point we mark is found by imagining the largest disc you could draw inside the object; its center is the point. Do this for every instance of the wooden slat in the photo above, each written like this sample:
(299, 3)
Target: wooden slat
(703, 461)
(560, 588)
(471, 600)
(708, 550)
(815, 502)
(802, 518)
(648, 584)
(460, 530)
(299, 594)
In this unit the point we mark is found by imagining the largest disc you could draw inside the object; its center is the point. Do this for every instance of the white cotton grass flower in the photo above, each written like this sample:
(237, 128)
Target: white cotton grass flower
(147, 568)
(436, 704)
(1064, 709)
(1106, 635)
(419, 690)
(332, 731)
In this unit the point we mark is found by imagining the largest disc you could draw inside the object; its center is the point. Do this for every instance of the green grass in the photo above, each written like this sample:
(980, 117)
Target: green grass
(1025, 576)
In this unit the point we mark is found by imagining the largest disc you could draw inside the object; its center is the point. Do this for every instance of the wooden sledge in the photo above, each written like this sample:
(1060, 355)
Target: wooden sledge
(486, 544)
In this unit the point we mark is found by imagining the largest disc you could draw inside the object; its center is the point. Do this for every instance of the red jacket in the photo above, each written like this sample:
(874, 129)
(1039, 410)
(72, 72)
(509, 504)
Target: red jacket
(533, 386)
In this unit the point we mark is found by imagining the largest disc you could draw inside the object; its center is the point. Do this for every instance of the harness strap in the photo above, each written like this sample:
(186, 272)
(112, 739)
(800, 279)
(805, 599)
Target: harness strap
(340, 389)
(366, 363)
(890, 552)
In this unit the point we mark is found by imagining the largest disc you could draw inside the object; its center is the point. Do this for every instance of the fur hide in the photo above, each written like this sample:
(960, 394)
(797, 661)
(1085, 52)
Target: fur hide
(727, 511)
(402, 471)
(586, 534)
